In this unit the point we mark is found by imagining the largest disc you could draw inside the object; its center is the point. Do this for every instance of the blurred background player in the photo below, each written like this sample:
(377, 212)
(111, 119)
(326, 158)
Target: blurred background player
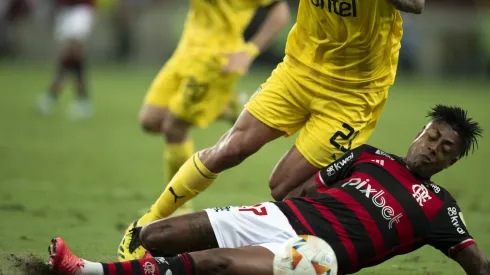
(368, 205)
(198, 81)
(341, 59)
(73, 24)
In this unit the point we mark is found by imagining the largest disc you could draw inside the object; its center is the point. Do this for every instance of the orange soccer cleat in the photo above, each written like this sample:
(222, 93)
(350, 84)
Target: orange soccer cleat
(62, 261)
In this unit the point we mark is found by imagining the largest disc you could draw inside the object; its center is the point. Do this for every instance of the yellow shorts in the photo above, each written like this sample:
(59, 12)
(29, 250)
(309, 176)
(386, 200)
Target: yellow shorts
(331, 122)
(192, 88)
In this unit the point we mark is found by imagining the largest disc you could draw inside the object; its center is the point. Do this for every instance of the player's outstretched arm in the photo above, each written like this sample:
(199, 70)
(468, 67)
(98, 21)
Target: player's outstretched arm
(472, 260)
(277, 18)
(410, 6)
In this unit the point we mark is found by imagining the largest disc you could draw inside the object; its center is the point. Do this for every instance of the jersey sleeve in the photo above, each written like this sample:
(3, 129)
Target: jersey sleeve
(448, 231)
(340, 168)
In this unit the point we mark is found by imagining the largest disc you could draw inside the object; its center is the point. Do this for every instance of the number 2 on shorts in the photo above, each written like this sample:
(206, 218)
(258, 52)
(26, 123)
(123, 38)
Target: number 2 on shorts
(346, 137)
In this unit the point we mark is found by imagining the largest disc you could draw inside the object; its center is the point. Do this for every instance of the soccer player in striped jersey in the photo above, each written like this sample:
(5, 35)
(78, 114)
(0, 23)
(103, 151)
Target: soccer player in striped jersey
(368, 205)
(74, 22)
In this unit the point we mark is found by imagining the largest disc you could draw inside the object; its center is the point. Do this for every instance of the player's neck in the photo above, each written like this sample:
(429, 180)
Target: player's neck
(412, 171)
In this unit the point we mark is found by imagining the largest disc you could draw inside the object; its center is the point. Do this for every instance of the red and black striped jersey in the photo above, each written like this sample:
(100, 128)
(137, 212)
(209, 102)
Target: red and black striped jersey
(369, 207)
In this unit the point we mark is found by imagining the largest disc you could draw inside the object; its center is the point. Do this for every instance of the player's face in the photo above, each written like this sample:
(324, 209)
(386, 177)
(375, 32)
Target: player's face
(436, 148)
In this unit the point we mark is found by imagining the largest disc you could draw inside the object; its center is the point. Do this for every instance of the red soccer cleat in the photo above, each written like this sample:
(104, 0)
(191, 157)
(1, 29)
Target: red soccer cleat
(61, 260)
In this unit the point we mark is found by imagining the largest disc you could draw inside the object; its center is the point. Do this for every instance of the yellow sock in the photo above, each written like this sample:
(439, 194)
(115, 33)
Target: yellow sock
(174, 156)
(191, 179)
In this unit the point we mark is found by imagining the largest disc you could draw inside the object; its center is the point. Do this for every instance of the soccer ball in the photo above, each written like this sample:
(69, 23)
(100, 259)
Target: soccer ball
(305, 255)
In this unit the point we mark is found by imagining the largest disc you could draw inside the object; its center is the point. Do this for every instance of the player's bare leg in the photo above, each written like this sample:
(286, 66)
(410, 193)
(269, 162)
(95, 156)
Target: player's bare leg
(152, 117)
(255, 260)
(159, 120)
(178, 234)
(48, 100)
(245, 138)
(172, 238)
(82, 107)
(178, 149)
(71, 61)
(224, 261)
(292, 170)
(179, 145)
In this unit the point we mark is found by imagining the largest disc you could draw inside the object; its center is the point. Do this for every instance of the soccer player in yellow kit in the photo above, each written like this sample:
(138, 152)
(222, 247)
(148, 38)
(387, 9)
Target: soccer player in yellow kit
(341, 58)
(197, 82)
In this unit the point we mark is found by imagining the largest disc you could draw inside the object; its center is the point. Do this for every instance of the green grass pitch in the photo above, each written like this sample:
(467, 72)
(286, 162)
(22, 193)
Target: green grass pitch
(85, 181)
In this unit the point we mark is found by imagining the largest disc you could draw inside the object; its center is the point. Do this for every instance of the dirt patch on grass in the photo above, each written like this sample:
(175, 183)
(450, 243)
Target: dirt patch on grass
(27, 264)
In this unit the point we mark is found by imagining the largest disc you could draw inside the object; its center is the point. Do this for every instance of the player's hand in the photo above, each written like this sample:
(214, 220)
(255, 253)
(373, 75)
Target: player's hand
(238, 62)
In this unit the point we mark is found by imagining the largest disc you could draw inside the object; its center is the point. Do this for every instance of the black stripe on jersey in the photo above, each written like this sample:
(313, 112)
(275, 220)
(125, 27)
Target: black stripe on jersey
(136, 268)
(324, 230)
(293, 220)
(390, 236)
(105, 268)
(355, 229)
(119, 268)
(414, 213)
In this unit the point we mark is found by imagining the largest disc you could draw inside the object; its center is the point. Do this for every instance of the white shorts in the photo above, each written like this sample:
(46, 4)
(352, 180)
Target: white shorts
(259, 225)
(74, 23)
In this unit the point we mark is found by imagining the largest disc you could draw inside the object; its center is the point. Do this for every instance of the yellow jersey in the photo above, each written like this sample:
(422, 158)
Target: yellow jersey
(349, 43)
(217, 26)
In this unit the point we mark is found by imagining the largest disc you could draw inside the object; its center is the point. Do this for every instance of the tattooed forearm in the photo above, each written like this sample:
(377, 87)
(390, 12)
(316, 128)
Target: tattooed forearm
(410, 6)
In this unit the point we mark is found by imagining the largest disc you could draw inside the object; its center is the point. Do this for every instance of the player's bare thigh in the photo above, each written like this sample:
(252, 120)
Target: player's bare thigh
(292, 170)
(160, 120)
(179, 234)
(163, 88)
(248, 260)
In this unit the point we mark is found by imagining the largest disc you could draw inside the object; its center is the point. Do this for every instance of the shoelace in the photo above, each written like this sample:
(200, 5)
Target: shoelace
(73, 264)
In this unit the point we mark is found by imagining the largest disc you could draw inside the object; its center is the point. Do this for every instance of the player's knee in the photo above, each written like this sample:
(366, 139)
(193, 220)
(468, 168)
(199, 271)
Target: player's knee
(150, 124)
(157, 236)
(175, 129)
(147, 237)
(175, 134)
(215, 264)
(278, 192)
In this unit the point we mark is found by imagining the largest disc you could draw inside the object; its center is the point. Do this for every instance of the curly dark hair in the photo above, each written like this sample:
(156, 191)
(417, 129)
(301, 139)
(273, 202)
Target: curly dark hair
(468, 129)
